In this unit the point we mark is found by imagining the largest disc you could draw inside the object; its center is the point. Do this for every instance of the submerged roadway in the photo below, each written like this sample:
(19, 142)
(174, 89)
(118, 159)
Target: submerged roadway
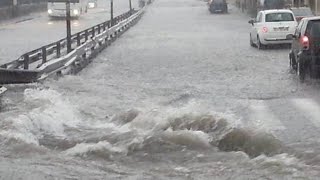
(181, 95)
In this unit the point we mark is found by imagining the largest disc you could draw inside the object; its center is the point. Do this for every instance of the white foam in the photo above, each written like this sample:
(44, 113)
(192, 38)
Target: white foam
(50, 113)
(281, 162)
(159, 118)
(84, 149)
(196, 139)
(263, 118)
(310, 108)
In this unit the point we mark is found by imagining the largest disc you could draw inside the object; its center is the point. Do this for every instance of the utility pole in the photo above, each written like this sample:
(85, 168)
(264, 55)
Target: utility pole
(316, 9)
(68, 23)
(130, 5)
(111, 6)
(14, 8)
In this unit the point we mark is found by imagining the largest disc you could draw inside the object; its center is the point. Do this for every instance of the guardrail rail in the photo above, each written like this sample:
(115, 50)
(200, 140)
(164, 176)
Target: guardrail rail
(53, 58)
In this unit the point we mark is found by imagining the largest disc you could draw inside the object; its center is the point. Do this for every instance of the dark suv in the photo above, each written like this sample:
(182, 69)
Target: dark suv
(305, 51)
(218, 6)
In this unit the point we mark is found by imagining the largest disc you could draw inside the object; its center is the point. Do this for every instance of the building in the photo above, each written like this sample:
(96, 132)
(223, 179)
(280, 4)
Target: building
(250, 6)
(314, 5)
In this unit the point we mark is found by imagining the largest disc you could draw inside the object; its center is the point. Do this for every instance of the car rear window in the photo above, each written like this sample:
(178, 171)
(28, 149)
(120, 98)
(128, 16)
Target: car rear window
(279, 17)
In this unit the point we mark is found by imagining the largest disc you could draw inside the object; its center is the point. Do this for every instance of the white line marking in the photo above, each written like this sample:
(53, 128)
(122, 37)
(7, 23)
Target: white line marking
(263, 118)
(311, 109)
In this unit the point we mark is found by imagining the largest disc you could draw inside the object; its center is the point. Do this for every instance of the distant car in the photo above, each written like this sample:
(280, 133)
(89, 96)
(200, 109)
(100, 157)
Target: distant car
(305, 50)
(142, 3)
(218, 6)
(302, 12)
(92, 4)
(57, 9)
(272, 27)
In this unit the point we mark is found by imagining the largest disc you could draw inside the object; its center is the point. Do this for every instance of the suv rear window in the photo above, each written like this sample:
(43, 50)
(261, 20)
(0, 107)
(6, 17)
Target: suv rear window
(279, 17)
(314, 28)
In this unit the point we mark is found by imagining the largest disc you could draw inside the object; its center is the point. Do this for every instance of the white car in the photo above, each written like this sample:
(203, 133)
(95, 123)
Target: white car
(272, 27)
(58, 9)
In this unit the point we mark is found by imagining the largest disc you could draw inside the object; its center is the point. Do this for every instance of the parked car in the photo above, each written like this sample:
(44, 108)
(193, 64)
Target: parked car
(305, 51)
(218, 6)
(302, 12)
(92, 4)
(272, 27)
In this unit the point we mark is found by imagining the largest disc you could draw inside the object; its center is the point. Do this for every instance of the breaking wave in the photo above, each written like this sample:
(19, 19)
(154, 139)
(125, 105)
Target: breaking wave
(101, 149)
(45, 112)
(172, 129)
(55, 123)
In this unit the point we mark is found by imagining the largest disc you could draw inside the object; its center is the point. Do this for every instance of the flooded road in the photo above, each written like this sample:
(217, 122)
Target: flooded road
(181, 95)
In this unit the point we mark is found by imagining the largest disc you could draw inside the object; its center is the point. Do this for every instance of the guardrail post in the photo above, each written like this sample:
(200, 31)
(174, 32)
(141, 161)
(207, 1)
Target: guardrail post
(78, 39)
(58, 49)
(93, 31)
(44, 54)
(104, 26)
(68, 23)
(99, 29)
(84, 56)
(26, 61)
(86, 35)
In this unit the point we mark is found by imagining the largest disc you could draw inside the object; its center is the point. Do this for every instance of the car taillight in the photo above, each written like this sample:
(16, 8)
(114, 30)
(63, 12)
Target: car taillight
(305, 42)
(265, 29)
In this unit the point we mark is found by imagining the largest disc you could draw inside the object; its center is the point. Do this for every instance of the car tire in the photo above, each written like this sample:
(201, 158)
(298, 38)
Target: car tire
(301, 70)
(260, 46)
(251, 42)
(293, 62)
(313, 70)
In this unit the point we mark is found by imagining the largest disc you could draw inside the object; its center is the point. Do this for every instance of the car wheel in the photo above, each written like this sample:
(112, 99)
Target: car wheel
(251, 42)
(260, 46)
(293, 63)
(313, 70)
(301, 71)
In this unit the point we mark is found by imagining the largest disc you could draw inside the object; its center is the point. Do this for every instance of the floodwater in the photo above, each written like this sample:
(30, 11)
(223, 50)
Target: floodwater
(170, 99)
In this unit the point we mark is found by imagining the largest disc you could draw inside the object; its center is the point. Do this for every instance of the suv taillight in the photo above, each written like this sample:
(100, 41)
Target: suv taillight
(304, 40)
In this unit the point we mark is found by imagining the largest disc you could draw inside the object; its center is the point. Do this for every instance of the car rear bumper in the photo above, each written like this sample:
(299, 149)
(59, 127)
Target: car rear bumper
(275, 38)
(61, 13)
(276, 41)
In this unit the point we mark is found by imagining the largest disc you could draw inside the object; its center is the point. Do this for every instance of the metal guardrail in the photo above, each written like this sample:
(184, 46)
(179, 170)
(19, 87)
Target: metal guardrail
(56, 49)
(53, 58)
